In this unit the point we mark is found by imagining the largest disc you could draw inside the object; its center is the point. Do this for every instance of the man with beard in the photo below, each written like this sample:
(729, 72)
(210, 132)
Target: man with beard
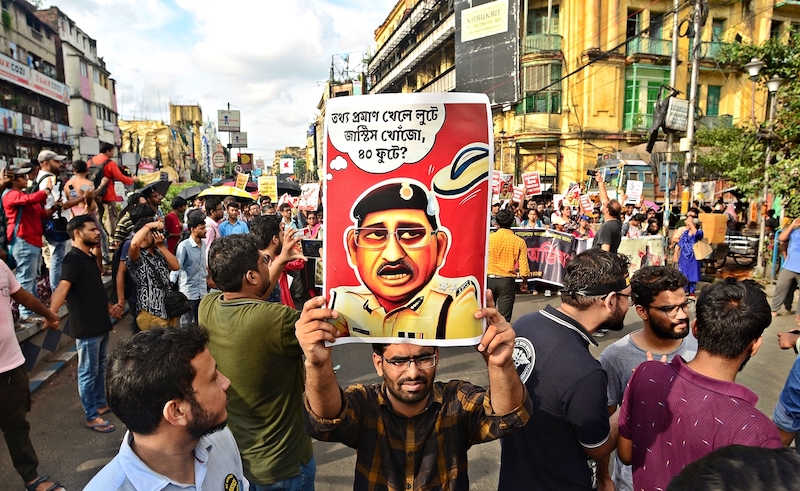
(410, 432)
(397, 245)
(284, 253)
(662, 305)
(82, 287)
(569, 428)
(164, 385)
(675, 413)
(254, 344)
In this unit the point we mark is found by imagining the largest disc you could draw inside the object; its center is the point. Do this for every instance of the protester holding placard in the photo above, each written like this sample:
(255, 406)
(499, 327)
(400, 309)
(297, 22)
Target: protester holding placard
(684, 256)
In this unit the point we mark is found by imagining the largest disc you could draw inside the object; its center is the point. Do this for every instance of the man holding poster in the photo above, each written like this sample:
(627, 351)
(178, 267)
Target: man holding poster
(397, 245)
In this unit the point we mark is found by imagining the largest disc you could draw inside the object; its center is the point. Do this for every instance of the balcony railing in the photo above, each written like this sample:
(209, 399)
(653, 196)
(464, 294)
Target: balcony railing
(711, 122)
(649, 46)
(537, 43)
(712, 49)
(637, 122)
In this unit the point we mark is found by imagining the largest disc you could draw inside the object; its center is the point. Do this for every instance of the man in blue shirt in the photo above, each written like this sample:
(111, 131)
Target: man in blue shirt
(163, 384)
(192, 276)
(233, 225)
(791, 268)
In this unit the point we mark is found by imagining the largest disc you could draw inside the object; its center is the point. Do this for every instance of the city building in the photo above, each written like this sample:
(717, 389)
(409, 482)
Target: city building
(584, 77)
(33, 94)
(189, 119)
(93, 100)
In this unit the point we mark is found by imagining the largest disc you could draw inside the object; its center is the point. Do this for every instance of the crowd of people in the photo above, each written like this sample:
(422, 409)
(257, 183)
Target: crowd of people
(227, 383)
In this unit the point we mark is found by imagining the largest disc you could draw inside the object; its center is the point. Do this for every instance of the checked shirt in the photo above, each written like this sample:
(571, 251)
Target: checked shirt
(425, 452)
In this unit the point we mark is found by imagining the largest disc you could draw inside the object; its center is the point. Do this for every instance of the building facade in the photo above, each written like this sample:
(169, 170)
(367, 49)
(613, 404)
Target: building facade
(93, 100)
(589, 72)
(33, 94)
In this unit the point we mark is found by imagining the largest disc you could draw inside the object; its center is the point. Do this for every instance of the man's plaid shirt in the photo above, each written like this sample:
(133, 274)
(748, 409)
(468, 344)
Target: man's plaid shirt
(506, 250)
(425, 452)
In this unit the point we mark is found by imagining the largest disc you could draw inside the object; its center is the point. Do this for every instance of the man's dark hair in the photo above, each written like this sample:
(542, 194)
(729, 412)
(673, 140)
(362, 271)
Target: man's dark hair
(264, 228)
(140, 211)
(178, 203)
(731, 314)
(741, 468)
(284, 206)
(590, 269)
(211, 203)
(233, 204)
(105, 147)
(195, 220)
(150, 369)
(230, 258)
(504, 219)
(649, 281)
(79, 166)
(77, 223)
(696, 211)
(379, 348)
(138, 225)
(614, 208)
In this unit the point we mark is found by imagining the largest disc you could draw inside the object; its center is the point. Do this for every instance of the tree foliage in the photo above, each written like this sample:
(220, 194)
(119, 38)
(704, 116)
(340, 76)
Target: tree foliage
(739, 152)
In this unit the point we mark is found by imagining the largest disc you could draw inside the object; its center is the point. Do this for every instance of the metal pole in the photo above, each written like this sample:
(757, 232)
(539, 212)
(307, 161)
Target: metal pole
(698, 26)
(759, 270)
(673, 80)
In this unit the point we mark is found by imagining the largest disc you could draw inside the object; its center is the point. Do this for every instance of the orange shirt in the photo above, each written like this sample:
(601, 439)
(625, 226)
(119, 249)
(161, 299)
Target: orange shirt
(506, 250)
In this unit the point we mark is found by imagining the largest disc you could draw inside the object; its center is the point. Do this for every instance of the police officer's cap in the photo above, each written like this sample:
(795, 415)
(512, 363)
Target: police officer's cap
(395, 196)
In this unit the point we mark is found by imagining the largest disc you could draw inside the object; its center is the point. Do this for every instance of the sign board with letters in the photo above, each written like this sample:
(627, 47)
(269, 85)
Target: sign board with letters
(219, 160)
(228, 120)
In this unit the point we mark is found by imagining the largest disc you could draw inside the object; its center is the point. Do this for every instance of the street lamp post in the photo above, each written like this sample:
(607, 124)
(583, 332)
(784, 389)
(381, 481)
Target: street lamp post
(773, 84)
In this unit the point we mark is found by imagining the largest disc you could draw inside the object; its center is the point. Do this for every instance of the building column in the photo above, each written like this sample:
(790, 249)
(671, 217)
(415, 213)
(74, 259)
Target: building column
(613, 23)
(592, 25)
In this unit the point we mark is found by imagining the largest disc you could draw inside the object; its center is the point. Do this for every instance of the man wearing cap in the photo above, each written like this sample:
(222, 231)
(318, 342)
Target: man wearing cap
(25, 213)
(111, 173)
(396, 246)
(49, 168)
(569, 430)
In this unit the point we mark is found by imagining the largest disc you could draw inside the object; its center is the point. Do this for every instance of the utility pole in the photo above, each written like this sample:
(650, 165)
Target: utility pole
(673, 80)
(699, 22)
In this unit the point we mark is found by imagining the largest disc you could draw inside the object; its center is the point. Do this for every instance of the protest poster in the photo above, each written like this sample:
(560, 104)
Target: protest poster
(573, 196)
(634, 192)
(644, 251)
(548, 254)
(496, 182)
(519, 194)
(402, 261)
(533, 183)
(309, 196)
(506, 186)
(242, 180)
(586, 204)
(268, 186)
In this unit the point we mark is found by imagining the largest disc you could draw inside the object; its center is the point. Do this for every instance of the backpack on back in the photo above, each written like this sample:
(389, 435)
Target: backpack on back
(96, 174)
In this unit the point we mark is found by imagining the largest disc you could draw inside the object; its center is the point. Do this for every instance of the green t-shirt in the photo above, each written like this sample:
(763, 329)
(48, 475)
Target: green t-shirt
(254, 345)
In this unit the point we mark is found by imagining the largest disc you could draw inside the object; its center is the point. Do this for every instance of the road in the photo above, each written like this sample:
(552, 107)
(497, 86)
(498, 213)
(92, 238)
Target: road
(73, 455)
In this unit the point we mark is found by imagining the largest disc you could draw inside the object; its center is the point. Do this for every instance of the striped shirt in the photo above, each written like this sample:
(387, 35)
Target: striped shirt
(506, 250)
(396, 452)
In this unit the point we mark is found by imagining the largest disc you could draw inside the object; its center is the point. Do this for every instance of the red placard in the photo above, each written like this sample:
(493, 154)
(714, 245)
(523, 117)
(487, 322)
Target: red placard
(533, 183)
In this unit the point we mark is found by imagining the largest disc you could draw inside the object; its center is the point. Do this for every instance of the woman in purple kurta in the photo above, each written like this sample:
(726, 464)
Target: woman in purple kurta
(684, 252)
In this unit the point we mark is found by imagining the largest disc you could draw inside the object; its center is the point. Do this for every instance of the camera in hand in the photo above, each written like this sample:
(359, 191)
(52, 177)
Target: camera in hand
(591, 172)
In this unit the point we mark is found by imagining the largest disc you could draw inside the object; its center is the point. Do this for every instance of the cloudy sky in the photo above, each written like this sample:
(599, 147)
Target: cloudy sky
(267, 58)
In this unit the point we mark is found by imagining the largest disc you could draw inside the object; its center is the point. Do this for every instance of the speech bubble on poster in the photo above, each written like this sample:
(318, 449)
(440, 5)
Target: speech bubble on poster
(381, 140)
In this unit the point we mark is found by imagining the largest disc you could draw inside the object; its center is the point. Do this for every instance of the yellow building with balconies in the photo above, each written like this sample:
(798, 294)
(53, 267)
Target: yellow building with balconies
(589, 72)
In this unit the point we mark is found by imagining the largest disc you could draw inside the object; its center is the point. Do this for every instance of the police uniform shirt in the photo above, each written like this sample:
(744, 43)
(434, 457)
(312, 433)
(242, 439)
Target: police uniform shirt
(444, 309)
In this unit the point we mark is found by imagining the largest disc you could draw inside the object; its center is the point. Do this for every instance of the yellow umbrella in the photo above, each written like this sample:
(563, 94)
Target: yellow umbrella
(226, 191)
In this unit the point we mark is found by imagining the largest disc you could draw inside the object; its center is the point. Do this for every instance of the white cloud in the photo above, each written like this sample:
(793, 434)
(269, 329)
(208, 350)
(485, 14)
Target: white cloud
(269, 59)
(339, 163)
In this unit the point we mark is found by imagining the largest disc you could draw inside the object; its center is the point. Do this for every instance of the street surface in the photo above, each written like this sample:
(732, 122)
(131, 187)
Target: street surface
(73, 455)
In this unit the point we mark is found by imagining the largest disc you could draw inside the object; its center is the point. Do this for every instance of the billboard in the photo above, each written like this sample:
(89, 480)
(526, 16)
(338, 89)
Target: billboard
(228, 120)
(487, 49)
(238, 139)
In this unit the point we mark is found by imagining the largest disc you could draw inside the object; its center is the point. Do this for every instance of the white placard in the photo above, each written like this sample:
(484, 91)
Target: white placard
(634, 192)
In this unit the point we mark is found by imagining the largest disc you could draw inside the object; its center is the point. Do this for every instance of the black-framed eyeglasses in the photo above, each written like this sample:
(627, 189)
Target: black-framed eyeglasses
(378, 237)
(403, 364)
(631, 296)
(671, 311)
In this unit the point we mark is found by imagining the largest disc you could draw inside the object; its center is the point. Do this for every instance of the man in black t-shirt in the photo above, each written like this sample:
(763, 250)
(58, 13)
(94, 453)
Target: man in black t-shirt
(82, 287)
(609, 236)
(569, 429)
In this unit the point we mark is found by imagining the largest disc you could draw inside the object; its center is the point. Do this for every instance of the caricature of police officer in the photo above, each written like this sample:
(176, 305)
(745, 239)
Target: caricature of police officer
(397, 245)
